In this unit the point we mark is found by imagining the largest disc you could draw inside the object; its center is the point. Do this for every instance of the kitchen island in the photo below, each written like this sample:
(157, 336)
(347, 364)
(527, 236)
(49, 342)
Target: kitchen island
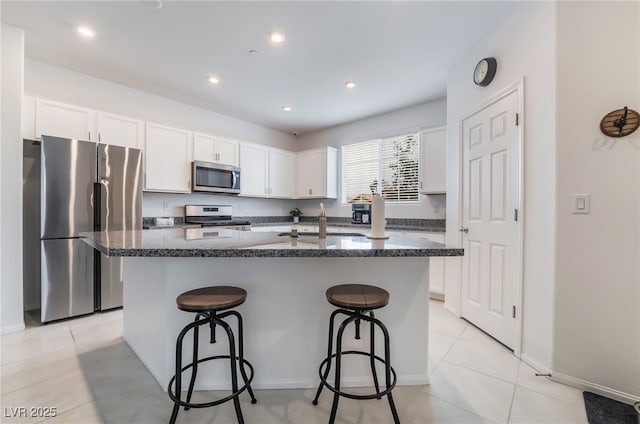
(286, 313)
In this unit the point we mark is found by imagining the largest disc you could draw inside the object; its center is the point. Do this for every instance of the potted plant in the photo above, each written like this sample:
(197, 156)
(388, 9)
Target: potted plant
(295, 213)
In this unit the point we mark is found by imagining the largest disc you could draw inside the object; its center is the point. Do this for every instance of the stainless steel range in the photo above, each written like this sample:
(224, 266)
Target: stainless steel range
(214, 216)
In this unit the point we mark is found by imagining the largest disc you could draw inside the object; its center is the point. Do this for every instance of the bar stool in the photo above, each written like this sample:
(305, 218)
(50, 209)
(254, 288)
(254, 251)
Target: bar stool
(207, 302)
(357, 302)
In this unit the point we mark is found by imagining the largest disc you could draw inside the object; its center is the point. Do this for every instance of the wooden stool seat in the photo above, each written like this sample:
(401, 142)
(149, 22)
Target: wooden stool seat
(211, 299)
(357, 296)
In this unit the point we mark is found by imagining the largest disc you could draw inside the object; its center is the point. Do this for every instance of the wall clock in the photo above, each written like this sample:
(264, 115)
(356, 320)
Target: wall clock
(485, 71)
(620, 123)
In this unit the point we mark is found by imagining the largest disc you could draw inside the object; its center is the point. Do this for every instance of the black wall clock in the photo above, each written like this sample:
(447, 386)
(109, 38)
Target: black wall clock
(485, 71)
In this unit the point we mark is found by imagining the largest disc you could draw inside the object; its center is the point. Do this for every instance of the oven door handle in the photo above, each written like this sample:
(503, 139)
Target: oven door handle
(233, 179)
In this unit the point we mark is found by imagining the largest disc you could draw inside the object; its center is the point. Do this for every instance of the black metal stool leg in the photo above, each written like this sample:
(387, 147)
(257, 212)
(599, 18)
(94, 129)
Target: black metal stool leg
(241, 354)
(387, 370)
(234, 371)
(329, 353)
(336, 396)
(176, 407)
(372, 356)
(195, 362)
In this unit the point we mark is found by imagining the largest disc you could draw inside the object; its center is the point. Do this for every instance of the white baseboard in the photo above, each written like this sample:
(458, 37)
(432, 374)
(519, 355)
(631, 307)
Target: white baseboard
(436, 296)
(407, 380)
(542, 369)
(12, 328)
(595, 388)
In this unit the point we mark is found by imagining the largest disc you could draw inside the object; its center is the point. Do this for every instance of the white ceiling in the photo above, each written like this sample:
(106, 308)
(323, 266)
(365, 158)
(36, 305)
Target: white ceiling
(398, 52)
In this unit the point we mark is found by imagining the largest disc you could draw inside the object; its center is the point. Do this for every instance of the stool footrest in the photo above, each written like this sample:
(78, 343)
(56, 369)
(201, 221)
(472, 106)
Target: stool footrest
(174, 397)
(324, 382)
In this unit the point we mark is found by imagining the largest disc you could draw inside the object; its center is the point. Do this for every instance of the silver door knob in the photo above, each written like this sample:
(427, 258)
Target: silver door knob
(464, 229)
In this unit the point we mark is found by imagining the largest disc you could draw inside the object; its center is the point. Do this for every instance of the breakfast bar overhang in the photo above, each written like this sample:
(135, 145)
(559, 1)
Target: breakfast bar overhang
(286, 313)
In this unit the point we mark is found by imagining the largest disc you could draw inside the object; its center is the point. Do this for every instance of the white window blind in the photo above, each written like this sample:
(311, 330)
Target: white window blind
(389, 166)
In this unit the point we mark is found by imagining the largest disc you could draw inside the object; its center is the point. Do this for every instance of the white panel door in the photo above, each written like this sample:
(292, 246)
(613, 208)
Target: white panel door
(491, 196)
(254, 160)
(281, 173)
(168, 158)
(120, 130)
(64, 120)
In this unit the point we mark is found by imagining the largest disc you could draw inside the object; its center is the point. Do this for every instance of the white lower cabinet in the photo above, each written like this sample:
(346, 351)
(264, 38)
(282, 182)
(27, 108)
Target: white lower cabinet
(168, 159)
(436, 266)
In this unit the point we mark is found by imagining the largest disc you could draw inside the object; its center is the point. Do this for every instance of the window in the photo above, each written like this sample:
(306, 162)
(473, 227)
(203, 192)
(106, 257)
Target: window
(388, 166)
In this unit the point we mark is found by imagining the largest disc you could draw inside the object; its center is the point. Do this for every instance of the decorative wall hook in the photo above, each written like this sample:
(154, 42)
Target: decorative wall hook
(620, 123)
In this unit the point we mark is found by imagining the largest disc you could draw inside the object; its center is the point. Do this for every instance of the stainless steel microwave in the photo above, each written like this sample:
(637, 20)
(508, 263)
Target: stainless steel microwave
(215, 178)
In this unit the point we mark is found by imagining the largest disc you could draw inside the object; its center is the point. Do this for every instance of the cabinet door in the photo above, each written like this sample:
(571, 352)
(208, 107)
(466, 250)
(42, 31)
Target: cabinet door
(227, 152)
(281, 173)
(204, 147)
(253, 164)
(167, 159)
(436, 268)
(311, 174)
(433, 144)
(120, 130)
(64, 120)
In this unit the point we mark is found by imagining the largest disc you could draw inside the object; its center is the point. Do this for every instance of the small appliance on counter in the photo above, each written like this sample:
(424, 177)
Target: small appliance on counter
(361, 213)
(214, 216)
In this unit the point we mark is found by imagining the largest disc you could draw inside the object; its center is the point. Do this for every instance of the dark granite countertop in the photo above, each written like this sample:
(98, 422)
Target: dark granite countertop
(208, 242)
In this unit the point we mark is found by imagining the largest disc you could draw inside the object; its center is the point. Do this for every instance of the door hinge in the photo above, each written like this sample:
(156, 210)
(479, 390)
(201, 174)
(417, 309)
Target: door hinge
(515, 215)
(513, 311)
(517, 119)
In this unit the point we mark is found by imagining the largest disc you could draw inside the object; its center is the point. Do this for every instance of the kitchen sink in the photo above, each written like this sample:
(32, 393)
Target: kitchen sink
(315, 234)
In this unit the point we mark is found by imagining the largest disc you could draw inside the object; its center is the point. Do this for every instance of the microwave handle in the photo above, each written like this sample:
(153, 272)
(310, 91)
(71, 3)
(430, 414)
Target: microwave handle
(233, 181)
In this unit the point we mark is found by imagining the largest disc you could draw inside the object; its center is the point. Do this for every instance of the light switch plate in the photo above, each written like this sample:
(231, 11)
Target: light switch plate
(581, 203)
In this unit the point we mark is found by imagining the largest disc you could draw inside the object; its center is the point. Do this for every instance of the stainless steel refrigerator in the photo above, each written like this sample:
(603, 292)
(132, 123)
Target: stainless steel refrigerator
(74, 186)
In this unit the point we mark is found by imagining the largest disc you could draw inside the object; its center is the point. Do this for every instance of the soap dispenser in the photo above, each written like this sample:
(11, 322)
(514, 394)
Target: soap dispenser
(322, 222)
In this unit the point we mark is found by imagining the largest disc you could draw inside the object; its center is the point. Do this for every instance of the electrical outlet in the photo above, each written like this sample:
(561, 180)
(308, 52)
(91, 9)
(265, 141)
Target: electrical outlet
(581, 204)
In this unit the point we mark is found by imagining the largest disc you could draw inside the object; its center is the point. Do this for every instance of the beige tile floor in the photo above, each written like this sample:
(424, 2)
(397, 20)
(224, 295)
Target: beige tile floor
(83, 368)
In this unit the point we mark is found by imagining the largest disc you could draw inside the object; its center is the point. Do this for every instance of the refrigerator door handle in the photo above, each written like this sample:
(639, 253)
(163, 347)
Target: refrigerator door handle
(104, 204)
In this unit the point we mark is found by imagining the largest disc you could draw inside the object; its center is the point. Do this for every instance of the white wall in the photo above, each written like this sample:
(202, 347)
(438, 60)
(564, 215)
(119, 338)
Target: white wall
(11, 315)
(56, 83)
(597, 302)
(424, 115)
(524, 46)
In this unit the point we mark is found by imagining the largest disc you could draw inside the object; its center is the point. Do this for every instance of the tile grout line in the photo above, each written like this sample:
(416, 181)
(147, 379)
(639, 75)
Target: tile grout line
(513, 395)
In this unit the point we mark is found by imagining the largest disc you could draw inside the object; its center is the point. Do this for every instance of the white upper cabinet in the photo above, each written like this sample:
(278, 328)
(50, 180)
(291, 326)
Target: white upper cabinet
(168, 157)
(254, 166)
(120, 130)
(317, 173)
(64, 120)
(282, 166)
(214, 149)
(266, 171)
(433, 145)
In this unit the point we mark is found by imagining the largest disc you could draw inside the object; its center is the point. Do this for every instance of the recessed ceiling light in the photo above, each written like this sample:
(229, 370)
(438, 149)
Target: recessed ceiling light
(214, 80)
(286, 108)
(86, 32)
(253, 51)
(276, 37)
(350, 84)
